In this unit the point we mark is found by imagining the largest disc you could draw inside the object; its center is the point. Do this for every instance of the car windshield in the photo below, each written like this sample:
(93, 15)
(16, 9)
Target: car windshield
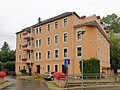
(47, 72)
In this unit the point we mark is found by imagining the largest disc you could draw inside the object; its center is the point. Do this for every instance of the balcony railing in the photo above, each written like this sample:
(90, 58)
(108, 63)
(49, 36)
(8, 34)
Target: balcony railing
(24, 59)
(24, 45)
(27, 36)
(28, 49)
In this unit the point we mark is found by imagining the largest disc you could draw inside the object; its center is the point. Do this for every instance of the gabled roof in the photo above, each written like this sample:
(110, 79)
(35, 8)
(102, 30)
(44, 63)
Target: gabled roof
(55, 18)
(51, 19)
(92, 23)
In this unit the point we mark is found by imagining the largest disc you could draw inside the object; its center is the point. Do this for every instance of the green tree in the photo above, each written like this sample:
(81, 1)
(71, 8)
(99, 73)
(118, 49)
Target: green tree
(0, 66)
(91, 65)
(6, 54)
(114, 50)
(9, 65)
(5, 47)
(112, 22)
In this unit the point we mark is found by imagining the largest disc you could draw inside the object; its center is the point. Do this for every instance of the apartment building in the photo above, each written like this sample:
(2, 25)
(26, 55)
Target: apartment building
(44, 46)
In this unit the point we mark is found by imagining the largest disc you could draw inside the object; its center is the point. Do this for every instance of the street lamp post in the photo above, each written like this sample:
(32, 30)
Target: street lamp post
(82, 32)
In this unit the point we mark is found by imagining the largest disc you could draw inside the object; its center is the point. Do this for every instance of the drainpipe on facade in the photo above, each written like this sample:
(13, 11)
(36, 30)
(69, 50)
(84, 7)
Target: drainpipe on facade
(73, 44)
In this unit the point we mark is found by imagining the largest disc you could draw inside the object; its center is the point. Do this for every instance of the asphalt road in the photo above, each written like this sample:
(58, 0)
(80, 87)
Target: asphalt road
(21, 84)
(27, 85)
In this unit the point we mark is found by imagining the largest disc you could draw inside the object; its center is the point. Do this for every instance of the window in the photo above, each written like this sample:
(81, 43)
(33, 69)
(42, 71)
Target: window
(19, 57)
(48, 68)
(65, 51)
(79, 35)
(38, 30)
(38, 55)
(56, 68)
(98, 52)
(48, 54)
(19, 68)
(20, 36)
(56, 25)
(30, 43)
(79, 51)
(99, 37)
(48, 40)
(65, 37)
(56, 53)
(65, 22)
(19, 46)
(48, 27)
(23, 67)
(56, 39)
(38, 42)
(29, 56)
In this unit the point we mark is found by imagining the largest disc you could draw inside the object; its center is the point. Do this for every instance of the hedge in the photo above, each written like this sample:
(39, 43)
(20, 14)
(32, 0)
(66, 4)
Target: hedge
(91, 65)
(0, 66)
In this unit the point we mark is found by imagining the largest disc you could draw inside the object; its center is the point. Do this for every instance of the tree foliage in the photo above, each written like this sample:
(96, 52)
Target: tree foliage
(7, 57)
(91, 65)
(9, 66)
(114, 50)
(112, 22)
(6, 54)
(0, 66)
(5, 47)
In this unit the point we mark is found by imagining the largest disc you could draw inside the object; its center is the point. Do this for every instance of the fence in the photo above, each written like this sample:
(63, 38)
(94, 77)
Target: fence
(94, 79)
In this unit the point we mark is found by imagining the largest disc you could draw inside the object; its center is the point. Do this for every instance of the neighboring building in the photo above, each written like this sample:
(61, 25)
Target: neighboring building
(45, 45)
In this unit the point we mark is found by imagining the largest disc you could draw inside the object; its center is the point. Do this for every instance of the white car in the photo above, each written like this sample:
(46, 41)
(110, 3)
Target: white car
(48, 76)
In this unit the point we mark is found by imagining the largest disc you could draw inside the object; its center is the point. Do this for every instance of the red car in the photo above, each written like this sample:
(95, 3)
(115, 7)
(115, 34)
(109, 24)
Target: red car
(58, 75)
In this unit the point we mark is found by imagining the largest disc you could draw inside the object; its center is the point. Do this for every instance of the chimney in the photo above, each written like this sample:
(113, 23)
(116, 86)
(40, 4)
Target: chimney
(39, 20)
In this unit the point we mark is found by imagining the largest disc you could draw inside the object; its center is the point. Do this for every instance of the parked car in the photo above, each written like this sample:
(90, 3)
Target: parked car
(58, 75)
(48, 76)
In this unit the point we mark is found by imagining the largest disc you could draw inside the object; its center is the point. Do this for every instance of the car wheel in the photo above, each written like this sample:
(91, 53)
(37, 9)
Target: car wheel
(52, 78)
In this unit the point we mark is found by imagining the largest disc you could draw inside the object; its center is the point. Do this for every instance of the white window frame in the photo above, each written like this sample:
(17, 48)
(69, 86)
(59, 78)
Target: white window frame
(38, 28)
(54, 53)
(54, 67)
(55, 25)
(47, 54)
(77, 35)
(81, 51)
(63, 52)
(67, 37)
(38, 43)
(38, 55)
(19, 58)
(47, 67)
(47, 40)
(19, 48)
(54, 38)
(28, 56)
(64, 22)
(49, 27)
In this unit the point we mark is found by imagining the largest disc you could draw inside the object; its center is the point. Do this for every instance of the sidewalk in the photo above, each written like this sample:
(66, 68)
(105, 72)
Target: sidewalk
(8, 81)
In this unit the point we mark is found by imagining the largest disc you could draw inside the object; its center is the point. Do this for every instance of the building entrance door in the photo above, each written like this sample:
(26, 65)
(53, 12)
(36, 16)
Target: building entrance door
(63, 69)
(38, 69)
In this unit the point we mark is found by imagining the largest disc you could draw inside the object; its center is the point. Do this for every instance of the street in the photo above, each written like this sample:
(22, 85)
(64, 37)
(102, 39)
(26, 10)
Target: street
(21, 84)
(27, 85)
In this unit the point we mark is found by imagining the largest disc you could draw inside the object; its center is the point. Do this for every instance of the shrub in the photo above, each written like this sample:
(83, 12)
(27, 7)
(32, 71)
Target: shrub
(9, 65)
(91, 65)
(23, 71)
(0, 66)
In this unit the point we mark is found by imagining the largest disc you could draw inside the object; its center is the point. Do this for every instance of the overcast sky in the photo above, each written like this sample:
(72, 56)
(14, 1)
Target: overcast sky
(18, 14)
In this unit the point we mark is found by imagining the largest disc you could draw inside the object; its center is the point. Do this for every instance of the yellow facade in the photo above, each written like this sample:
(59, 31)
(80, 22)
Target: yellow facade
(93, 44)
